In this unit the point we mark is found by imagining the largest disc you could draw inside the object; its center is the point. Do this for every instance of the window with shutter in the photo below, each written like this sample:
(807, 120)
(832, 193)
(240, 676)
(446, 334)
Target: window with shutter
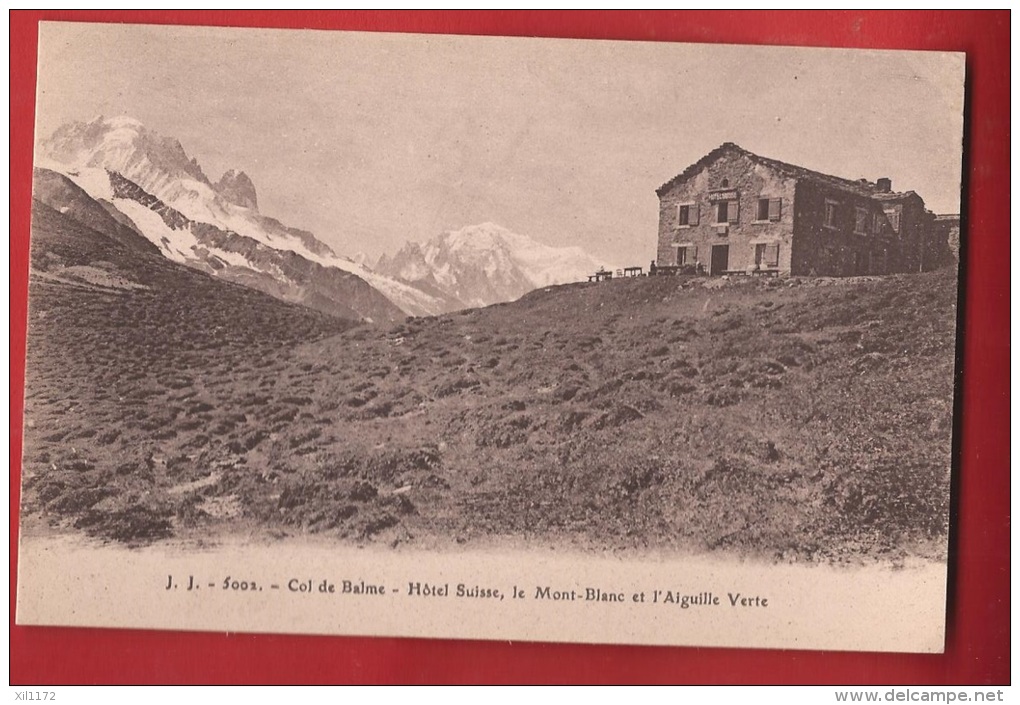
(686, 214)
(830, 214)
(860, 221)
(894, 220)
(759, 254)
(722, 209)
(769, 209)
(772, 255)
(733, 212)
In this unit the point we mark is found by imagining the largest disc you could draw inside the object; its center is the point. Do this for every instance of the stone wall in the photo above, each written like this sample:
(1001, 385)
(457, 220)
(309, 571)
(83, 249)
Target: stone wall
(737, 180)
(808, 226)
(839, 249)
(946, 234)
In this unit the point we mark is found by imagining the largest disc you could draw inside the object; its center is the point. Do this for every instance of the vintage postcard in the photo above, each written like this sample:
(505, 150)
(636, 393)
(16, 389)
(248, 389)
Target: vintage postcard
(485, 337)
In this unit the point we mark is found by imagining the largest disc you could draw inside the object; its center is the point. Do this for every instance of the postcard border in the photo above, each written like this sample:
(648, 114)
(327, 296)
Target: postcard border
(978, 615)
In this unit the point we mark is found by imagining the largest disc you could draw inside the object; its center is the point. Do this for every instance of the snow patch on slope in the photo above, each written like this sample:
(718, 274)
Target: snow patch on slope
(94, 182)
(178, 245)
(160, 166)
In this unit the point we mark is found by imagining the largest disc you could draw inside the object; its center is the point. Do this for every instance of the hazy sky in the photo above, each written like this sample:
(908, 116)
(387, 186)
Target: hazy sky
(370, 139)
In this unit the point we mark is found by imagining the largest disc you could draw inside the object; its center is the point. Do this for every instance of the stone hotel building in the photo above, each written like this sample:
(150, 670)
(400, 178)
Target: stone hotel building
(736, 212)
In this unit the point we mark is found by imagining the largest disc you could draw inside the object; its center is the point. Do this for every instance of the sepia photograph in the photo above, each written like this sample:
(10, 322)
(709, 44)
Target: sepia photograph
(491, 338)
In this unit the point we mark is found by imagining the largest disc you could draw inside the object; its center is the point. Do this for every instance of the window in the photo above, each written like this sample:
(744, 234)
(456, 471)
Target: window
(727, 212)
(769, 209)
(860, 221)
(893, 216)
(830, 214)
(686, 215)
(766, 255)
(686, 255)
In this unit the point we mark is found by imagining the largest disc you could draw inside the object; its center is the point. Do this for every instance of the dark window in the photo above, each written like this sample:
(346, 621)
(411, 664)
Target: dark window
(725, 183)
(727, 212)
(894, 220)
(722, 212)
(766, 254)
(769, 209)
(686, 255)
(830, 213)
(686, 214)
(861, 220)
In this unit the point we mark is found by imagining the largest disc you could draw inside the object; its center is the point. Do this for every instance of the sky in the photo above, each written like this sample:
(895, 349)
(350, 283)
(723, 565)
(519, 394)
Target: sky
(370, 140)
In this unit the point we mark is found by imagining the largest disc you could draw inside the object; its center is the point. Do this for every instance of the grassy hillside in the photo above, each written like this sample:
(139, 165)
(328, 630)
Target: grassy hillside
(125, 352)
(800, 419)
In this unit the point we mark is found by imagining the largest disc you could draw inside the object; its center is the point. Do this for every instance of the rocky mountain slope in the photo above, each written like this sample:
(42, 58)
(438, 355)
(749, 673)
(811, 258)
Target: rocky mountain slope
(485, 264)
(237, 188)
(88, 153)
(129, 213)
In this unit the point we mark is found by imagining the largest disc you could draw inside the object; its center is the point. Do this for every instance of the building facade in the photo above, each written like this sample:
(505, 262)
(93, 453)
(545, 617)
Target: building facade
(737, 212)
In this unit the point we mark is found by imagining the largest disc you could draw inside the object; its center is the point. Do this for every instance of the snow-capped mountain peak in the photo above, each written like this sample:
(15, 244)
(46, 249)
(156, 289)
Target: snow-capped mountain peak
(125, 145)
(486, 263)
(93, 155)
(171, 201)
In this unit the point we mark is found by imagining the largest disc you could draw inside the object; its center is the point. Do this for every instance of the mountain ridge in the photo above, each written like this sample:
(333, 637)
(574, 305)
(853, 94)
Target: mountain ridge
(221, 253)
(237, 187)
(475, 266)
(484, 264)
(87, 153)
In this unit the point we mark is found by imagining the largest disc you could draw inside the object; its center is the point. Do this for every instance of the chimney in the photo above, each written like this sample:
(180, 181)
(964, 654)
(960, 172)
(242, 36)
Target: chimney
(884, 184)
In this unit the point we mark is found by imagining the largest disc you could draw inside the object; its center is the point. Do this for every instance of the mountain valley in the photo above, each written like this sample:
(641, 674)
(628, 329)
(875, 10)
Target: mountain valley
(787, 420)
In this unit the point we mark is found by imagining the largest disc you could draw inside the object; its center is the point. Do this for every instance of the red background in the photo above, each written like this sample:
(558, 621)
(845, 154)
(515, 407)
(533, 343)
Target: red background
(977, 648)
